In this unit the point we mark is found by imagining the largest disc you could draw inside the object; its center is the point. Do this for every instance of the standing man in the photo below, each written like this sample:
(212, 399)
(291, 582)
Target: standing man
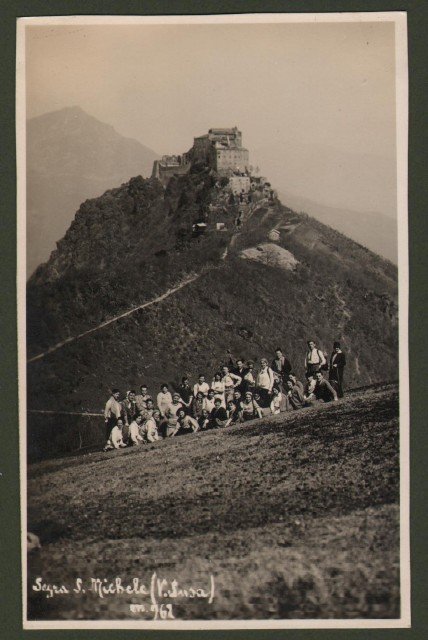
(231, 381)
(239, 370)
(201, 387)
(314, 359)
(337, 365)
(280, 365)
(264, 383)
(112, 412)
(186, 393)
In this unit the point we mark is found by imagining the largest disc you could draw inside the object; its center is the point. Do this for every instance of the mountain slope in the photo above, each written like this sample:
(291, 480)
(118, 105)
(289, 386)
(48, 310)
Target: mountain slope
(135, 242)
(72, 156)
(373, 230)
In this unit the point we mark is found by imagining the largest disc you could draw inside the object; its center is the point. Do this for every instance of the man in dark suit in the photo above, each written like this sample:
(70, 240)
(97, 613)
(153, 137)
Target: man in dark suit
(337, 365)
(239, 369)
(281, 366)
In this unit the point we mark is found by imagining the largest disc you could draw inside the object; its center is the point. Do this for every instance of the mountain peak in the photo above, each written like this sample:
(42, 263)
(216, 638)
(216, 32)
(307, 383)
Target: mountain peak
(72, 156)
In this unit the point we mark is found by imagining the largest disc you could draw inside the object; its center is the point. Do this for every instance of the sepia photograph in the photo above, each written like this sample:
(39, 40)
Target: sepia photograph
(213, 275)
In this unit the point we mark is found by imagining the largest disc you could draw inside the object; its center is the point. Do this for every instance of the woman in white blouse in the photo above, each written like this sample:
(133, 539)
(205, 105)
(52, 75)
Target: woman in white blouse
(164, 399)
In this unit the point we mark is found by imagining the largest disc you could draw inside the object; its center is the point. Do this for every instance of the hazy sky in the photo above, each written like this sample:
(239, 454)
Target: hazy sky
(315, 102)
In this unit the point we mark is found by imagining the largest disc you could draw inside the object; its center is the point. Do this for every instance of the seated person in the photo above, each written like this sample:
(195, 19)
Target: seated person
(176, 403)
(310, 386)
(115, 440)
(185, 423)
(233, 412)
(142, 398)
(198, 405)
(237, 397)
(323, 391)
(218, 416)
(203, 419)
(135, 437)
(148, 411)
(171, 415)
(294, 395)
(149, 429)
(250, 409)
(209, 401)
(296, 382)
(276, 402)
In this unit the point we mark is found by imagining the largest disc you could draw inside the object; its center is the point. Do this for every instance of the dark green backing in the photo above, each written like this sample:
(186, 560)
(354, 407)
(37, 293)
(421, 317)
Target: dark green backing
(10, 562)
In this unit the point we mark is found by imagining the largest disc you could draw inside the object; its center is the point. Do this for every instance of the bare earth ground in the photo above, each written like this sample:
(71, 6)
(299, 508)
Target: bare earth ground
(294, 516)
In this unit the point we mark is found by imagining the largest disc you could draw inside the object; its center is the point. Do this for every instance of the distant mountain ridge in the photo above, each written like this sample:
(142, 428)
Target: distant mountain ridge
(135, 243)
(72, 156)
(373, 230)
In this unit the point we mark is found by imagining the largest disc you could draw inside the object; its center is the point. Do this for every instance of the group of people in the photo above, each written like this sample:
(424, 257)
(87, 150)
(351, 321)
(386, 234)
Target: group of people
(237, 393)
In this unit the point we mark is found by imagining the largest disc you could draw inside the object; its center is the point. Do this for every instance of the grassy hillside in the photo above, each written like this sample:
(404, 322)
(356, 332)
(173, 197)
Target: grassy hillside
(135, 243)
(295, 516)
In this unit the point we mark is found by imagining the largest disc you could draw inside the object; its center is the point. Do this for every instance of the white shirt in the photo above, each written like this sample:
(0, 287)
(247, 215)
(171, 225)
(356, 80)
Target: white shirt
(231, 380)
(134, 432)
(150, 429)
(314, 356)
(275, 405)
(116, 437)
(203, 388)
(311, 386)
(218, 387)
(208, 404)
(113, 407)
(265, 378)
(173, 409)
(163, 400)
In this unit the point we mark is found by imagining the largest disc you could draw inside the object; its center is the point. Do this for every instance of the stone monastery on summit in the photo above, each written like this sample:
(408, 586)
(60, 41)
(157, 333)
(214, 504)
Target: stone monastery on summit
(220, 149)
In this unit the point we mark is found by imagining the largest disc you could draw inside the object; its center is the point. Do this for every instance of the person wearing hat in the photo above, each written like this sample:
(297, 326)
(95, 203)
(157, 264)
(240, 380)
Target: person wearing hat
(337, 365)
